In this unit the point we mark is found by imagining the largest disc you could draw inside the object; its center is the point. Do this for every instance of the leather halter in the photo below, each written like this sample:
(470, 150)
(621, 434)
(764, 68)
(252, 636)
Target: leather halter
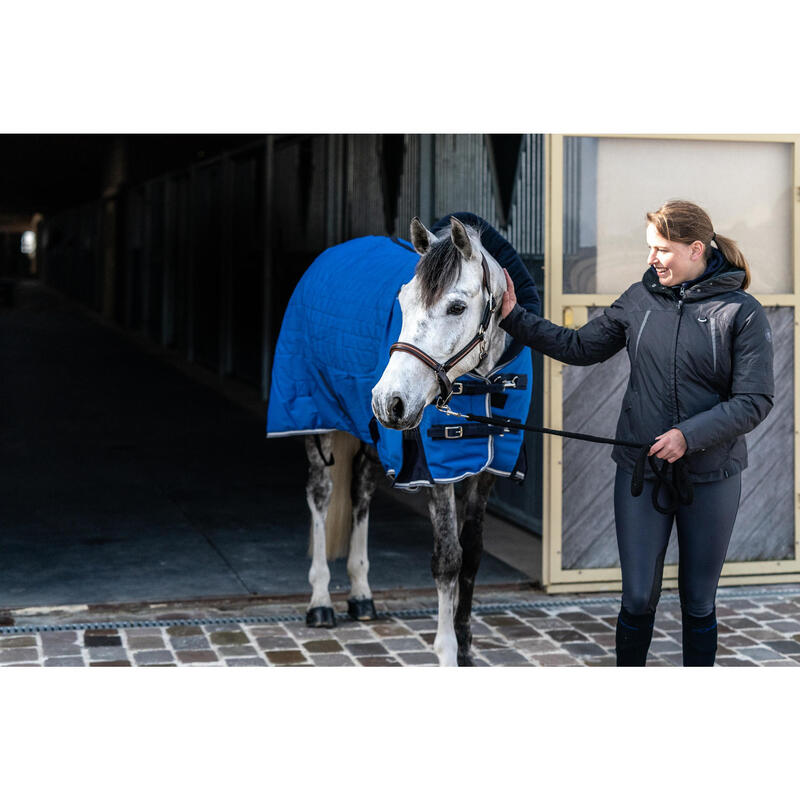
(445, 384)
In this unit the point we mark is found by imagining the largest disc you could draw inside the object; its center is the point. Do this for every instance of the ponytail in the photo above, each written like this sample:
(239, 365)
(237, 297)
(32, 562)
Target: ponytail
(734, 255)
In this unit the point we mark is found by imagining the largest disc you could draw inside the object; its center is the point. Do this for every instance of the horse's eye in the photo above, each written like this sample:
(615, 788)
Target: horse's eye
(456, 309)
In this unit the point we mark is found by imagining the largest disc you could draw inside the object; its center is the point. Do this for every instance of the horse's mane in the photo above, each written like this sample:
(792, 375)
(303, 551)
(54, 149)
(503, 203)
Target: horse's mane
(440, 267)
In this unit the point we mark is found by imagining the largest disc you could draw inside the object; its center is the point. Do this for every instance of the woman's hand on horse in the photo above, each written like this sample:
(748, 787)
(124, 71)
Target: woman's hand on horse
(669, 446)
(509, 297)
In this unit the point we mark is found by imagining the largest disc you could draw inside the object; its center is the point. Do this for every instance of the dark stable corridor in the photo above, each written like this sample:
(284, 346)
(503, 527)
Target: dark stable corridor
(125, 480)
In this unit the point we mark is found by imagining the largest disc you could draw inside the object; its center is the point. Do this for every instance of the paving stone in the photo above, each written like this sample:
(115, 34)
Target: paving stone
(531, 612)
(275, 642)
(418, 658)
(245, 662)
(676, 659)
(65, 637)
(537, 646)
(383, 630)
(64, 661)
(479, 629)
(763, 616)
(93, 639)
(428, 624)
(61, 649)
(359, 635)
(498, 620)
(739, 623)
(782, 608)
(378, 661)
(584, 649)
(332, 660)
(783, 645)
(515, 632)
(576, 616)
(664, 646)
(430, 638)
(734, 662)
(10, 642)
(229, 651)
(505, 657)
(323, 646)
(784, 662)
(185, 630)
(229, 637)
(554, 660)
(118, 663)
(757, 653)
(107, 653)
(402, 644)
(190, 642)
(369, 649)
(591, 627)
(759, 634)
(267, 630)
(154, 657)
(550, 625)
(785, 626)
(146, 643)
(737, 640)
(566, 635)
(603, 661)
(196, 656)
(740, 603)
(485, 644)
(608, 640)
(285, 657)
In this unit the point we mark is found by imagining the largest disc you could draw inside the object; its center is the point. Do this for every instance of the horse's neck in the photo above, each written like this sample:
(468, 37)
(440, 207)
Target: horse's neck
(496, 337)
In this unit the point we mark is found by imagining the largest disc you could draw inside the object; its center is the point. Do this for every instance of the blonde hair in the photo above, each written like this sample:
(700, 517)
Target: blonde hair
(685, 222)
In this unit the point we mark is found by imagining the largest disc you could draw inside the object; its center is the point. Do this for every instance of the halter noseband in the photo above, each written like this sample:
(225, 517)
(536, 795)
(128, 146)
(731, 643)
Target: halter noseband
(441, 370)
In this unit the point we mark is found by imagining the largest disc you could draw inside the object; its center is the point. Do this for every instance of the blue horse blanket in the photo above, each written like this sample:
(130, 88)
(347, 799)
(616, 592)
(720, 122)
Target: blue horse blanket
(334, 346)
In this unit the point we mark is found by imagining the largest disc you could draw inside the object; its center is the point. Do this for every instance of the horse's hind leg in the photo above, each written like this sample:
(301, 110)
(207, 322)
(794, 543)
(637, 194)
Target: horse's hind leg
(318, 494)
(474, 508)
(367, 470)
(446, 564)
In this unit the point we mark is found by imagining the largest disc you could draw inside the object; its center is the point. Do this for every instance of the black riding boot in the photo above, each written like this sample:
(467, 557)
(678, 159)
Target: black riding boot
(634, 632)
(699, 640)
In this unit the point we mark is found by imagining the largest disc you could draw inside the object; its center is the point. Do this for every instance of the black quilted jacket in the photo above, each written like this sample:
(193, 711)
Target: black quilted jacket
(701, 361)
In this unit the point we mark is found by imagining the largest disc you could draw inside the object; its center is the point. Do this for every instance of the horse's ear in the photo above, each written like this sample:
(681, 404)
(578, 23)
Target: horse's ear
(421, 237)
(458, 233)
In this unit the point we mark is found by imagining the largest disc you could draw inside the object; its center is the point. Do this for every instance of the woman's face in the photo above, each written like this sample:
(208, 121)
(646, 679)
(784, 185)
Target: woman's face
(675, 263)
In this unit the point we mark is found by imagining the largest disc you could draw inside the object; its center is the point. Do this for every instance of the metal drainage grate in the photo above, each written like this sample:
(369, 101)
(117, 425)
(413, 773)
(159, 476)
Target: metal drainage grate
(479, 609)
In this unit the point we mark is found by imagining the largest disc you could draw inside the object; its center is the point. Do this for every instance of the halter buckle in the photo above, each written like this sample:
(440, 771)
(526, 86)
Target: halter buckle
(453, 431)
(457, 388)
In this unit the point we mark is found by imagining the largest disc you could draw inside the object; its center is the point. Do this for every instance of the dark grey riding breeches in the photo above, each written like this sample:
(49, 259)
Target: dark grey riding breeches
(704, 531)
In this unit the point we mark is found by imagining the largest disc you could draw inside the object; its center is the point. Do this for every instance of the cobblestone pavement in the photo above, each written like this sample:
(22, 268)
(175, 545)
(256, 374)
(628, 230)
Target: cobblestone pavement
(518, 627)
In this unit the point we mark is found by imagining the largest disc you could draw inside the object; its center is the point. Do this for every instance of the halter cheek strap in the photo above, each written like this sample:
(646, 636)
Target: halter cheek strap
(441, 370)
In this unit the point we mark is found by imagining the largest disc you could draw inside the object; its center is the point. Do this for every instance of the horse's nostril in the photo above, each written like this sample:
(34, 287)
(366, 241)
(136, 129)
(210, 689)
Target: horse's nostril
(396, 408)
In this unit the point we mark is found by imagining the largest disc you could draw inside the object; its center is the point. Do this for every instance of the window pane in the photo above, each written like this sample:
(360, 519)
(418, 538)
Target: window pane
(609, 185)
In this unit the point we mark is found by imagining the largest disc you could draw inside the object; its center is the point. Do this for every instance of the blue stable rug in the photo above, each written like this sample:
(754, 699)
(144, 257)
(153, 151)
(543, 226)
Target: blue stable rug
(334, 346)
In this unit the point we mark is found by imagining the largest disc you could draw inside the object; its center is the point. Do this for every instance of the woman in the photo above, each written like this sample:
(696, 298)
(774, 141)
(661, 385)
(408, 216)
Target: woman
(700, 349)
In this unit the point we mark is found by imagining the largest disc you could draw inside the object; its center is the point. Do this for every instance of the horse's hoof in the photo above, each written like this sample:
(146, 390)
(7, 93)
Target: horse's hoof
(361, 609)
(465, 660)
(320, 617)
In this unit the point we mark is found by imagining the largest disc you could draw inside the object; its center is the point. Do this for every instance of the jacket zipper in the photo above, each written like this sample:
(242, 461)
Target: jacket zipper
(676, 418)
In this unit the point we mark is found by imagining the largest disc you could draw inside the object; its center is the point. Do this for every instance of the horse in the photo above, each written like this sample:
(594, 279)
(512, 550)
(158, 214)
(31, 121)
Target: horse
(450, 330)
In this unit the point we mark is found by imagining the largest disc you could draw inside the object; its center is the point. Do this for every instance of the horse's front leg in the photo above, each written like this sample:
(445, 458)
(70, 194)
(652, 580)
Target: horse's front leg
(474, 508)
(318, 494)
(367, 470)
(445, 564)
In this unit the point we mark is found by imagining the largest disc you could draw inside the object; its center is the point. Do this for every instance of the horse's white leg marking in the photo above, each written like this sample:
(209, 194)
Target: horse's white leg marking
(366, 470)
(318, 495)
(446, 564)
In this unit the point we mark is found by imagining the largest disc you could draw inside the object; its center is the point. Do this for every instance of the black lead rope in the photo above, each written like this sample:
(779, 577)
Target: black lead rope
(674, 478)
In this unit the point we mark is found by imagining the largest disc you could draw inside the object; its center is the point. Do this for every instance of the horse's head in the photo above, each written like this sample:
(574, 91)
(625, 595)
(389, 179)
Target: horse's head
(444, 312)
